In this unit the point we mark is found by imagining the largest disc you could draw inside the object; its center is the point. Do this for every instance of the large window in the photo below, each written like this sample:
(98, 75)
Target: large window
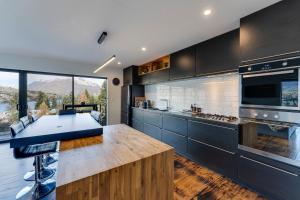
(9, 94)
(46, 94)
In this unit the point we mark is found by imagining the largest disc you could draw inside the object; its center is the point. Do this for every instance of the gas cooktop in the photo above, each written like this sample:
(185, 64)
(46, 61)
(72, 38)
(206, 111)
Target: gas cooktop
(216, 117)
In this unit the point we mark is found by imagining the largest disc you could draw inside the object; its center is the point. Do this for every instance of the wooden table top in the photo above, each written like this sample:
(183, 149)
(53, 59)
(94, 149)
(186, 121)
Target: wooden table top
(50, 128)
(121, 145)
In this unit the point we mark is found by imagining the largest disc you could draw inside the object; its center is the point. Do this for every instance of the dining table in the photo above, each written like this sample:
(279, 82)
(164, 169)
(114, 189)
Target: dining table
(51, 128)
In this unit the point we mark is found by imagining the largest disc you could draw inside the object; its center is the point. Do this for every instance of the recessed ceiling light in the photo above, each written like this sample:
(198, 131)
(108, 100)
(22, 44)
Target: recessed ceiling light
(119, 63)
(144, 49)
(207, 12)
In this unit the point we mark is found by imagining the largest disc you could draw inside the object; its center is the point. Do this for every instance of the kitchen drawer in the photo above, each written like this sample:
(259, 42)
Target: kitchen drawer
(152, 131)
(214, 158)
(138, 125)
(137, 114)
(272, 181)
(175, 124)
(219, 136)
(179, 142)
(154, 118)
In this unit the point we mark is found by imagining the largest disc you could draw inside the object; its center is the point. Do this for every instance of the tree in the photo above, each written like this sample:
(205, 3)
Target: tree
(102, 101)
(84, 96)
(53, 102)
(13, 101)
(42, 98)
(43, 109)
(67, 99)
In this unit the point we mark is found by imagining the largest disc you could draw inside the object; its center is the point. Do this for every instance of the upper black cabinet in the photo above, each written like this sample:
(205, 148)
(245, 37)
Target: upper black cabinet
(130, 75)
(183, 63)
(219, 54)
(271, 32)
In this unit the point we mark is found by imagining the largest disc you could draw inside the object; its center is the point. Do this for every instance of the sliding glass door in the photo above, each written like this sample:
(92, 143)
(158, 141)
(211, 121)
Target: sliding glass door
(46, 93)
(9, 99)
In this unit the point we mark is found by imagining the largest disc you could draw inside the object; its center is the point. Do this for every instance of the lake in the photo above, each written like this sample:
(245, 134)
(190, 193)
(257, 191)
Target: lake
(4, 107)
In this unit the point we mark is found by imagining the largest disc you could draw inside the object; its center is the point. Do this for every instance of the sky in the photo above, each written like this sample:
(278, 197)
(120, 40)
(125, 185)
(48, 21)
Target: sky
(10, 79)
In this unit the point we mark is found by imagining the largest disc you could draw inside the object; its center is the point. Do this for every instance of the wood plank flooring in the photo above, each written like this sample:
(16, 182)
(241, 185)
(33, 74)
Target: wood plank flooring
(193, 181)
(190, 180)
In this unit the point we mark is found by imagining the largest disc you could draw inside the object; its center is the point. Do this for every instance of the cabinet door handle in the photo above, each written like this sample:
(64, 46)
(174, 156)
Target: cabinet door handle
(261, 163)
(276, 55)
(203, 143)
(212, 125)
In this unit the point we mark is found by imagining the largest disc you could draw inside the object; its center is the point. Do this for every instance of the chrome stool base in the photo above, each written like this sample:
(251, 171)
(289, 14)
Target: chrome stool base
(45, 173)
(44, 189)
(50, 159)
(37, 191)
(26, 192)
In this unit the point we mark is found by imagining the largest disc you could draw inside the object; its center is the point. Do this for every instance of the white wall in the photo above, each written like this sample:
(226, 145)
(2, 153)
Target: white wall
(11, 61)
(215, 95)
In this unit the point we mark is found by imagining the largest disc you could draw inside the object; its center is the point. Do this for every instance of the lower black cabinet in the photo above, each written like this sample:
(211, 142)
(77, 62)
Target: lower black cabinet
(275, 182)
(219, 136)
(152, 131)
(177, 141)
(214, 158)
(138, 125)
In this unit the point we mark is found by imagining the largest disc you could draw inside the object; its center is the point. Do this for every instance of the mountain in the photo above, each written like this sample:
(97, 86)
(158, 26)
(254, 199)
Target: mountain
(64, 87)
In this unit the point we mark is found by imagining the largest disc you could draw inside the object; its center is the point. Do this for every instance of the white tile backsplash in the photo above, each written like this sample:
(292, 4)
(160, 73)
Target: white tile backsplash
(215, 94)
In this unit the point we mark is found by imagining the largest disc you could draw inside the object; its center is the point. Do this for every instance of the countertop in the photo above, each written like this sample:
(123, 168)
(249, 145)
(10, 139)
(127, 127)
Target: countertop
(121, 145)
(187, 115)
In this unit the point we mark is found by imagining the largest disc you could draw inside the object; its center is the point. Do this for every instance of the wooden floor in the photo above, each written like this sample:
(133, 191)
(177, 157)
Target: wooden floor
(190, 180)
(193, 181)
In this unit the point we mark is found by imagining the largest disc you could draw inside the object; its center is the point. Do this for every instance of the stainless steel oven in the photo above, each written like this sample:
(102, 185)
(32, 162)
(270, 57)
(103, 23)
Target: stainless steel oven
(273, 85)
(276, 140)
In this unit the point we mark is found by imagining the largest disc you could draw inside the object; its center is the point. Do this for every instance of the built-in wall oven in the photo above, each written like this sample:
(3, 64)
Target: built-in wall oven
(271, 85)
(269, 109)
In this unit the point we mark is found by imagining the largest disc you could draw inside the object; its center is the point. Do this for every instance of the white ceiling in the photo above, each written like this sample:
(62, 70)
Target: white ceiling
(69, 29)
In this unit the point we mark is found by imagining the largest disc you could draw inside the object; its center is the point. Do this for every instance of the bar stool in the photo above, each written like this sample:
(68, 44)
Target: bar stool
(41, 187)
(48, 159)
(96, 115)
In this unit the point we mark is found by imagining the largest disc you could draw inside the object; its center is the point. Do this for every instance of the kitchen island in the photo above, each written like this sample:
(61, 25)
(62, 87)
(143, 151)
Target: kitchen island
(127, 164)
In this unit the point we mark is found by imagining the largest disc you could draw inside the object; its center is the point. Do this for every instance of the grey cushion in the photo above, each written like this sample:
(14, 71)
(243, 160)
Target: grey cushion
(25, 121)
(16, 128)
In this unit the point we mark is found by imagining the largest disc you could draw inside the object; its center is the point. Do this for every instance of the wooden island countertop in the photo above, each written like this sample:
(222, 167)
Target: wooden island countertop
(126, 165)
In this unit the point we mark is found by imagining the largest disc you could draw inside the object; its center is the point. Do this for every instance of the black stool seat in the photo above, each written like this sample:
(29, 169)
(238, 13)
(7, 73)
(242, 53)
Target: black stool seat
(34, 150)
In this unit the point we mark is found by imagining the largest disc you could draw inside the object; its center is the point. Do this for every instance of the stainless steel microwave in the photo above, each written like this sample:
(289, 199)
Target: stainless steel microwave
(272, 85)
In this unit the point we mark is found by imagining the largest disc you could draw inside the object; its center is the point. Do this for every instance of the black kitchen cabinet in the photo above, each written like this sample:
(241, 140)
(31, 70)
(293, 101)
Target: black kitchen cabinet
(214, 158)
(130, 75)
(175, 124)
(182, 63)
(138, 114)
(271, 31)
(153, 118)
(152, 131)
(219, 136)
(218, 55)
(138, 125)
(272, 181)
(179, 142)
